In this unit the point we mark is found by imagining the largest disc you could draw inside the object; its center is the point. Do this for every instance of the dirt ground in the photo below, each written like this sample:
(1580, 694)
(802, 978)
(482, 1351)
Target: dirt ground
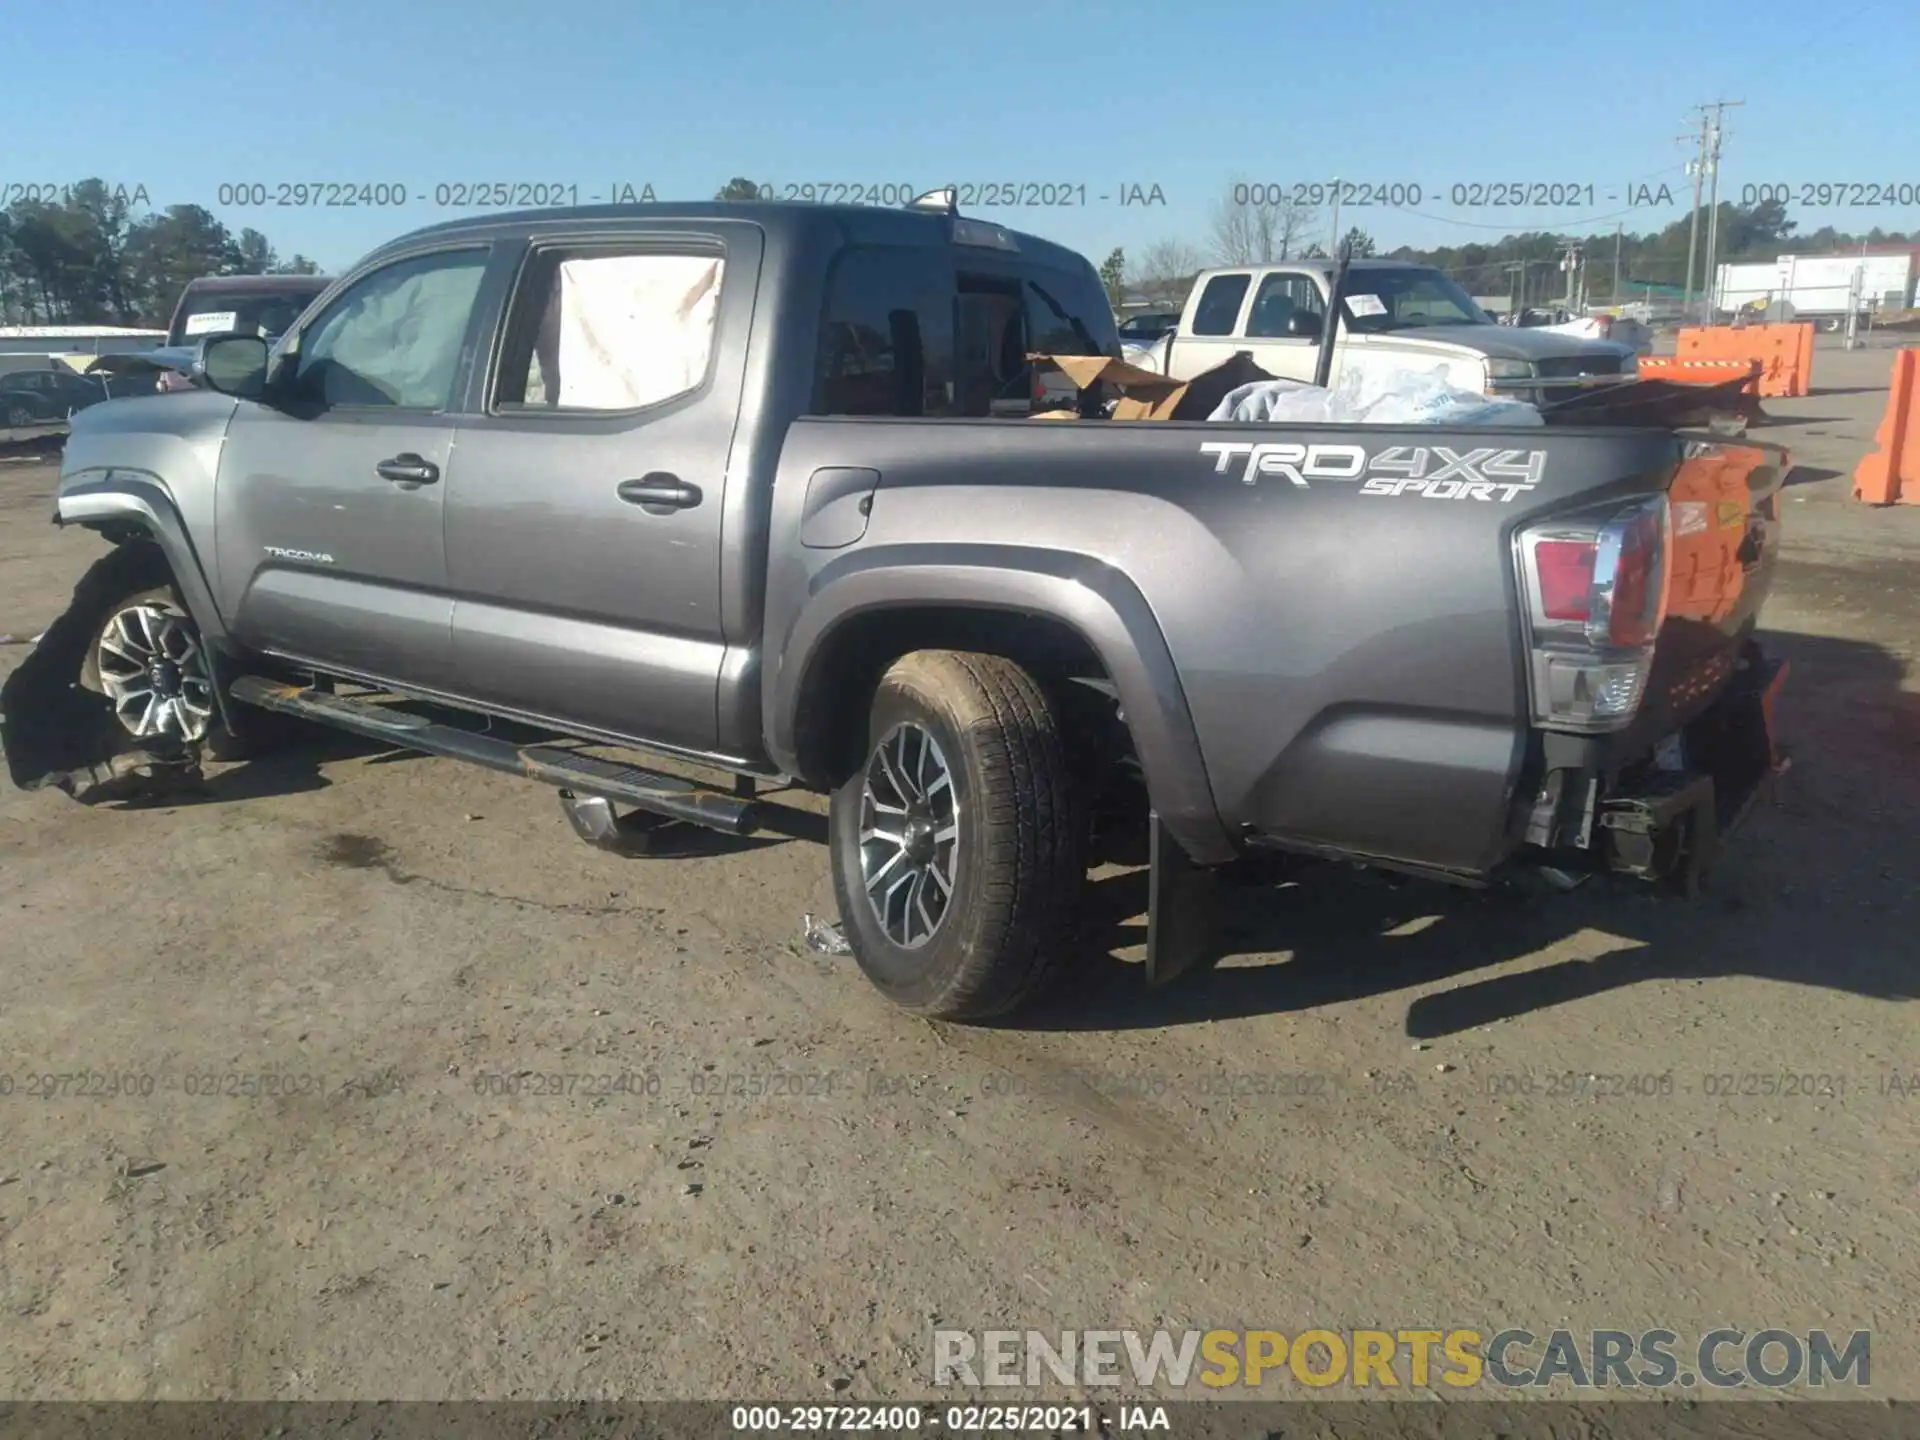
(793, 1183)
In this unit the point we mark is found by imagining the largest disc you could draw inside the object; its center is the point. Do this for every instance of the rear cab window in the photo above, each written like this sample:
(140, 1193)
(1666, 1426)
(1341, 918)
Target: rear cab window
(933, 332)
(886, 334)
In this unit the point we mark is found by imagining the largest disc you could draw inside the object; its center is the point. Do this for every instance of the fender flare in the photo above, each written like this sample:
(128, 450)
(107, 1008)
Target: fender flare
(106, 496)
(1100, 603)
(137, 497)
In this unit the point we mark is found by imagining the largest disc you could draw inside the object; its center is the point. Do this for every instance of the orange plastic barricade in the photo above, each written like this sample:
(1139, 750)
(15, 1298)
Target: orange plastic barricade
(1784, 352)
(1890, 475)
(1698, 372)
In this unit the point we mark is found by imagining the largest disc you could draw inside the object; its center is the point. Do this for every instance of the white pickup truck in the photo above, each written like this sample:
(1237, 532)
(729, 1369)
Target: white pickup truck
(1396, 316)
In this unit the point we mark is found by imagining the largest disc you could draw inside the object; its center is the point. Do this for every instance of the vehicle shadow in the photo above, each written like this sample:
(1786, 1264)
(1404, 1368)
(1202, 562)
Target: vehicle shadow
(1818, 889)
(1775, 421)
(293, 767)
(641, 836)
(1809, 475)
(679, 840)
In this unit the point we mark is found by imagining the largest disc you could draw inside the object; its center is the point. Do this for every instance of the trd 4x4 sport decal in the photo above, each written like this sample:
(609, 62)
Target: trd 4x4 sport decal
(1433, 472)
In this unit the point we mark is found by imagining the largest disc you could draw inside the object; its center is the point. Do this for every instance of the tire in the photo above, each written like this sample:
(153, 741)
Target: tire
(191, 717)
(19, 417)
(1014, 872)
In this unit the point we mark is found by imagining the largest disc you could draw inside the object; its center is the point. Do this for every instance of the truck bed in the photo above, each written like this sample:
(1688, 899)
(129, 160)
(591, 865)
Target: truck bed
(1338, 605)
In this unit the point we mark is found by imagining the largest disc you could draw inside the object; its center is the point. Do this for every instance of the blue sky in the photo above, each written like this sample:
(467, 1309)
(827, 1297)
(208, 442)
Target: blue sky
(1186, 96)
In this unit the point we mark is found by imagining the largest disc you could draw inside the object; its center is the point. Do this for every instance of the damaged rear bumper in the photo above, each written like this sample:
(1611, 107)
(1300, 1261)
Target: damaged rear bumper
(1667, 824)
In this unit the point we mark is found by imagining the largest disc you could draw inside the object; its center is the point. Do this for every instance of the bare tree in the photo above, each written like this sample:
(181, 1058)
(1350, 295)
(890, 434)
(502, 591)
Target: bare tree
(1166, 271)
(1254, 224)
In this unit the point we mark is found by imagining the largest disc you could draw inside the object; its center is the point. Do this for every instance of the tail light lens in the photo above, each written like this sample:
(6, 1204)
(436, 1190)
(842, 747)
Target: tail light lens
(1595, 586)
(1629, 591)
(1565, 570)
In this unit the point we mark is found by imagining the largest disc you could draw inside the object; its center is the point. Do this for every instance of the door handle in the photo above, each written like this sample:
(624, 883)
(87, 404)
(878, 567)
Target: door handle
(408, 469)
(659, 493)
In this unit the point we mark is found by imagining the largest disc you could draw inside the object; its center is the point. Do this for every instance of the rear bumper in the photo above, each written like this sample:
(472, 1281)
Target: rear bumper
(1668, 824)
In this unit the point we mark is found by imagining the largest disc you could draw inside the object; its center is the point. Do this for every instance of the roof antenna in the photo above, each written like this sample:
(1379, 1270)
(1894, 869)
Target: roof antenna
(1330, 327)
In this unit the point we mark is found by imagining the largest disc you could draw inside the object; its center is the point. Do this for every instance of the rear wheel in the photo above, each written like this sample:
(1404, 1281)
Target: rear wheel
(19, 417)
(957, 844)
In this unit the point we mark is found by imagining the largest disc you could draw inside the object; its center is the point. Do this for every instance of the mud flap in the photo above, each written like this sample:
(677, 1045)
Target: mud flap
(1182, 902)
(58, 734)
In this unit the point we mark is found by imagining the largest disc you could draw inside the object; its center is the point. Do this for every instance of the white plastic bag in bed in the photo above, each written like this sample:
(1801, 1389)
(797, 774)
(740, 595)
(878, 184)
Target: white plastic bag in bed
(1372, 397)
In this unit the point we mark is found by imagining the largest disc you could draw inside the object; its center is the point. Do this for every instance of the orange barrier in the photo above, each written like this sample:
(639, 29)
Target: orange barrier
(1785, 352)
(1699, 372)
(1890, 475)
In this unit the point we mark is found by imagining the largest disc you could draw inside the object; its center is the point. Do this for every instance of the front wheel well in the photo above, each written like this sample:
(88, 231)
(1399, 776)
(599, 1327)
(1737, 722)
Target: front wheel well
(830, 729)
(123, 532)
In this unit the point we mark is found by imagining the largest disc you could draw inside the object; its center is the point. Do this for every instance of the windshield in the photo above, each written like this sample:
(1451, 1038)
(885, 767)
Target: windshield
(264, 315)
(1407, 299)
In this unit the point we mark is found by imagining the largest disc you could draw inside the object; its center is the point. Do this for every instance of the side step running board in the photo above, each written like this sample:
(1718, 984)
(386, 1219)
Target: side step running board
(658, 794)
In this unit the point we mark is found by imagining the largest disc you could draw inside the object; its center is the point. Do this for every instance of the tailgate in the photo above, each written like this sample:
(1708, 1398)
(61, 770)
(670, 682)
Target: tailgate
(1724, 508)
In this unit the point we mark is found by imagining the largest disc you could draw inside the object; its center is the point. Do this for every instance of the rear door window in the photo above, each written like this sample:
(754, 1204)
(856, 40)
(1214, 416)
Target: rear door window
(608, 329)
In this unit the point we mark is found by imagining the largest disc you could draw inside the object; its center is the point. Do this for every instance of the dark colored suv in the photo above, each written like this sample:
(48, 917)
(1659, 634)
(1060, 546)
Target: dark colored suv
(246, 304)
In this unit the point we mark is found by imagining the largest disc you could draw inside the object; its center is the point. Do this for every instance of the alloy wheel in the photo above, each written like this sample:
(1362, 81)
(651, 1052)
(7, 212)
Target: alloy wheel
(909, 835)
(154, 672)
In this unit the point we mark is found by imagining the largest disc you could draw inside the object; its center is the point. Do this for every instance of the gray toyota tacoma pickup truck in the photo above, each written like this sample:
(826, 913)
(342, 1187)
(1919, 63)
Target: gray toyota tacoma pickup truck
(711, 500)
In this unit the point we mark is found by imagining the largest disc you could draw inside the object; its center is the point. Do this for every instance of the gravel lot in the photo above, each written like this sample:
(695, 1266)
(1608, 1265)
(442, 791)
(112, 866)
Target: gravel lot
(795, 1180)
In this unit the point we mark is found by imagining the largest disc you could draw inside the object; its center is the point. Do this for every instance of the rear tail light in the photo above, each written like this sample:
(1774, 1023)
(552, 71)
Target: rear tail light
(1595, 587)
(1565, 571)
(1629, 594)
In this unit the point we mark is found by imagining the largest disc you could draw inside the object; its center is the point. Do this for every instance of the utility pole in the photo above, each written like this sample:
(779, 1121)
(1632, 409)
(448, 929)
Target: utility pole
(1614, 296)
(1570, 263)
(1333, 245)
(1517, 286)
(1697, 168)
(1713, 202)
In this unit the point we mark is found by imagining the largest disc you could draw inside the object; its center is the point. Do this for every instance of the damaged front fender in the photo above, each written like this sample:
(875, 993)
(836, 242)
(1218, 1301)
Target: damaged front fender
(55, 732)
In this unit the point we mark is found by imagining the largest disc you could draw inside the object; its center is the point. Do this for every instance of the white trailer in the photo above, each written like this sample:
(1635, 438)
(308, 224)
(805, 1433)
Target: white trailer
(1820, 287)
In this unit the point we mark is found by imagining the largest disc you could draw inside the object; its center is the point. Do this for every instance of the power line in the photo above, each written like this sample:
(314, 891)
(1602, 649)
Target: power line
(1508, 226)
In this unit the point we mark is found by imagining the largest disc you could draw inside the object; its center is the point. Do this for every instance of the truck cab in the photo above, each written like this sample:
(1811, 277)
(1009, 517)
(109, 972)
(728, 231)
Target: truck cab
(1396, 316)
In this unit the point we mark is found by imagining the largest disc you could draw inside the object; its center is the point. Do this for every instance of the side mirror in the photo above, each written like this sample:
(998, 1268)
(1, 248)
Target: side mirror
(1304, 325)
(233, 365)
